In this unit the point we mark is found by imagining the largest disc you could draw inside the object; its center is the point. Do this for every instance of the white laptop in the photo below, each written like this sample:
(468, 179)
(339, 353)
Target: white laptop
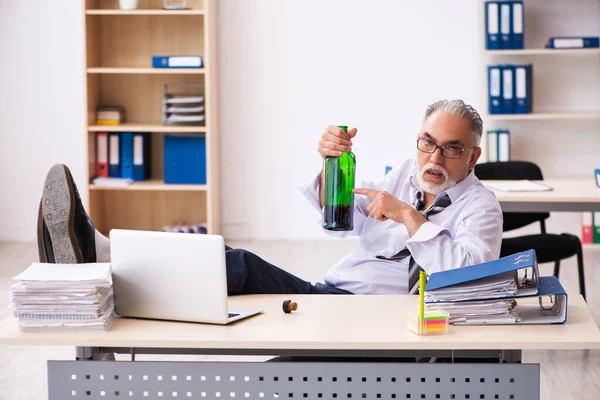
(173, 276)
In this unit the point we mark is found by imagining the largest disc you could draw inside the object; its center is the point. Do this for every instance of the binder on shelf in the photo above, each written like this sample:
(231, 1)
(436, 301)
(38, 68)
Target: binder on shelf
(185, 159)
(505, 25)
(141, 156)
(102, 154)
(596, 227)
(492, 22)
(508, 106)
(523, 88)
(492, 146)
(494, 89)
(504, 145)
(114, 159)
(177, 62)
(587, 229)
(127, 155)
(573, 42)
(517, 25)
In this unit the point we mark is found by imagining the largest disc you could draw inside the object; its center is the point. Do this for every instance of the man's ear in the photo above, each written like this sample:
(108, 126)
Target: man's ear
(474, 157)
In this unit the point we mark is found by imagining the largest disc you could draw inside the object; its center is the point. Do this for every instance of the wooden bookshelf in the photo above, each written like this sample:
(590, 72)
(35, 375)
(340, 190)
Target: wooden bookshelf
(119, 49)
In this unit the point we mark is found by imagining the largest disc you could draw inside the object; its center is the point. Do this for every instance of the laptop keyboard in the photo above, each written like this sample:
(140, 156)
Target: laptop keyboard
(231, 315)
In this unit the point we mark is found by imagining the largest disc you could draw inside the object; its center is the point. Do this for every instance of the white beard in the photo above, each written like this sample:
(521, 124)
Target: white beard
(433, 188)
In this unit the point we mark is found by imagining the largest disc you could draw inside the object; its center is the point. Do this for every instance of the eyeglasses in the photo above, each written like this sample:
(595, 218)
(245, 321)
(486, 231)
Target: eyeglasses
(428, 146)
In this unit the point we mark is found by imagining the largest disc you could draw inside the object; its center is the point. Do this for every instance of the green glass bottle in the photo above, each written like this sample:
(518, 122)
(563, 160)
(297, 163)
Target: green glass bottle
(338, 214)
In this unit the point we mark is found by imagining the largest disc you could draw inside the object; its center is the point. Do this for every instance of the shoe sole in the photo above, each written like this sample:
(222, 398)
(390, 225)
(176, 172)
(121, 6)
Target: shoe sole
(58, 212)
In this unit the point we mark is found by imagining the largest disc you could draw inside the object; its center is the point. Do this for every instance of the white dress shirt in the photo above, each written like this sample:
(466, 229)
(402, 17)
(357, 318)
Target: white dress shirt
(467, 232)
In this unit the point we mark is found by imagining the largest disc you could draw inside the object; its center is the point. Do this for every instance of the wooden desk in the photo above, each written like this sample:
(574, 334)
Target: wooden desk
(341, 326)
(568, 195)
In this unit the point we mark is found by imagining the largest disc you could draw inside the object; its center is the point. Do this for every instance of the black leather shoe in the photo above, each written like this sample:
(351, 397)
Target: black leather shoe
(65, 233)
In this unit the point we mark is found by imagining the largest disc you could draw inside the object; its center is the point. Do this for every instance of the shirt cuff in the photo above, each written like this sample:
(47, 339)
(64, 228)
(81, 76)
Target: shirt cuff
(310, 189)
(426, 232)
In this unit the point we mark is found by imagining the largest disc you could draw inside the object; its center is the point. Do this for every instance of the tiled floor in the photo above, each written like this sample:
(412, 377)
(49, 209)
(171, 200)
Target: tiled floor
(565, 374)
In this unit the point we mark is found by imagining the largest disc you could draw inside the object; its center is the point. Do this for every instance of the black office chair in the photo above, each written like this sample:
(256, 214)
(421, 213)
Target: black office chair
(548, 247)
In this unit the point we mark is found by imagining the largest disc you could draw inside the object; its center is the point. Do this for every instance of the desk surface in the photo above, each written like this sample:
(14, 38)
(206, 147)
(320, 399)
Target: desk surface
(322, 322)
(568, 194)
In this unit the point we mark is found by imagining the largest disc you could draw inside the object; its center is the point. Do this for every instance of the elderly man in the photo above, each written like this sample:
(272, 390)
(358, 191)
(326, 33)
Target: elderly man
(431, 213)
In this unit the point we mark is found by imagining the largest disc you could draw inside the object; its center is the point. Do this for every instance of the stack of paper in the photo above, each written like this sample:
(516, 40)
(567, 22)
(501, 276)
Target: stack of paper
(479, 312)
(110, 115)
(502, 285)
(63, 297)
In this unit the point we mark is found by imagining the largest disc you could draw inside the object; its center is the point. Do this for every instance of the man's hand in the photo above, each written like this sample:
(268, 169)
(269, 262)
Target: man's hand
(334, 141)
(384, 206)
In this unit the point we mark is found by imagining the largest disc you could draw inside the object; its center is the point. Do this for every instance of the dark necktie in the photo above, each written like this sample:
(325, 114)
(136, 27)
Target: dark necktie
(413, 268)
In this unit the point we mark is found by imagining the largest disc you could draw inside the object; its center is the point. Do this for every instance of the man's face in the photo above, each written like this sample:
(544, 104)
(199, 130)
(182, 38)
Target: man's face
(436, 172)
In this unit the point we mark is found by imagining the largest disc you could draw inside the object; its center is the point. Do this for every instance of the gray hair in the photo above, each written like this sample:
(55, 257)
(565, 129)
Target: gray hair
(459, 109)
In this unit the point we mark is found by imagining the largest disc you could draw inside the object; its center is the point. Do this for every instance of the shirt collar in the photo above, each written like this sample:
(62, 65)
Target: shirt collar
(454, 192)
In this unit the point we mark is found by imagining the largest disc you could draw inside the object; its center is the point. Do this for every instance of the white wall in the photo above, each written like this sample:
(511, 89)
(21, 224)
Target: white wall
(287, 69)
(41, 105)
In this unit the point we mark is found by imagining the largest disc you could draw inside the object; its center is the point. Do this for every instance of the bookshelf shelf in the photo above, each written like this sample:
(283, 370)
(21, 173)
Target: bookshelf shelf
(543, 52)
(142, 127)
(544, 116)
(154, 185)
(164, 71)
(144, 12)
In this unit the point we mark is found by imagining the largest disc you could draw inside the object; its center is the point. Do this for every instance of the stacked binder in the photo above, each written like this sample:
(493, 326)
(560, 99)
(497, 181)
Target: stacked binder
(493, 293)
(504, 25)
(122, 158)
(510, 89)
(49, 297)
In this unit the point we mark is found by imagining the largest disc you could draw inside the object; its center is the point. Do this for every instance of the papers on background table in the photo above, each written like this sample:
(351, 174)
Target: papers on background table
(524, 185)
(49, 297)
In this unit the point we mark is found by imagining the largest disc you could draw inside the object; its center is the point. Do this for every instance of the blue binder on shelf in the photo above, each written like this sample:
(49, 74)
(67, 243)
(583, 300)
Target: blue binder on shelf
(185, 159)
(492, 25)
(505, 25)
(494, 89)
(523, 88)
(127, 155)
(177, 62)
(508, 88)
(114, 155)
(573, 42)
(141, 156)
(518, 25)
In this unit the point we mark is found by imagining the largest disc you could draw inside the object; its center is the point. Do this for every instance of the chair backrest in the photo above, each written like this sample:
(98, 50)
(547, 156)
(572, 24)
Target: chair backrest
(514, 170)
